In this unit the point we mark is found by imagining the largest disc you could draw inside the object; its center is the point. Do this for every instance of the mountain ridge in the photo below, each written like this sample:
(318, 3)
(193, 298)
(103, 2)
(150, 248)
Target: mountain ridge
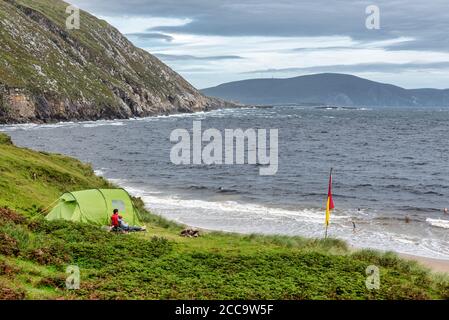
(327, 88)
(48, 73)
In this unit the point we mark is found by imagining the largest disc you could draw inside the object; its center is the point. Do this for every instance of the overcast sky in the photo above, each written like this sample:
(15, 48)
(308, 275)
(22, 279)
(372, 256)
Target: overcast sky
(214, 41)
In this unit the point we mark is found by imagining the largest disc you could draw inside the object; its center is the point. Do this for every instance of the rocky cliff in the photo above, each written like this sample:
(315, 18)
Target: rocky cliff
(49, 73)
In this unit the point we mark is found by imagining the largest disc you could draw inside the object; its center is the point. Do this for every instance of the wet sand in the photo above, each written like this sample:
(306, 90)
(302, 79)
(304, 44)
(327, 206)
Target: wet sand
(435, 265)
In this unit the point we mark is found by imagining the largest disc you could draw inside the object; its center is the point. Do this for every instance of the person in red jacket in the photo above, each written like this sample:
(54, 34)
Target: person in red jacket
(118, 223)
(114, 219)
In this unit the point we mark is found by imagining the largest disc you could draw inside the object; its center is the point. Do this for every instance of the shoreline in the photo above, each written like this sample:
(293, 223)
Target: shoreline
(435, 265)
(131, 118)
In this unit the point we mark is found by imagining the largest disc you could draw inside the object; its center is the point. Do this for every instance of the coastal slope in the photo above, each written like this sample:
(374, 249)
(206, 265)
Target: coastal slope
(160, 264)
(327, 88)
(49, 73)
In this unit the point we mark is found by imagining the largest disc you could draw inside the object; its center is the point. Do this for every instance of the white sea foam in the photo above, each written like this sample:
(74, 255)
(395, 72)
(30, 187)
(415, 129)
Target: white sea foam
(102, 123)
(34, 126)
(438, 223)
(85, 124)
(234, 216)
(100, 172)
(98, 123)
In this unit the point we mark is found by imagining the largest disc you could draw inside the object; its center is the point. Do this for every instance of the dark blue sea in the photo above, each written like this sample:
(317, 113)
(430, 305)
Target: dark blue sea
(391, 172)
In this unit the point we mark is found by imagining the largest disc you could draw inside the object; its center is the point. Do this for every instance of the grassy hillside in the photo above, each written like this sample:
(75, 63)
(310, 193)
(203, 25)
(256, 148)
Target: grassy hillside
(160, 264)
(45, 24)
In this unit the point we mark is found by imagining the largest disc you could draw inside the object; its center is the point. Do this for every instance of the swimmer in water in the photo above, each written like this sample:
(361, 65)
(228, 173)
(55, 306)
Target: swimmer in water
(354, 227)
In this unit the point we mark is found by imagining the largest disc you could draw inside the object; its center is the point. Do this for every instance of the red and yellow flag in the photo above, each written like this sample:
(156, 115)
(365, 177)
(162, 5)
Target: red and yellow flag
(330, 202)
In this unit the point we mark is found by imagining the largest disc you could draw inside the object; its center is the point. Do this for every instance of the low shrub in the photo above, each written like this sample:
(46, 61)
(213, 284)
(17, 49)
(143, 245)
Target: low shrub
(58, 282)
(5, 139)
(8, 245)
(7, 269)
(7, 293)
(8, 215)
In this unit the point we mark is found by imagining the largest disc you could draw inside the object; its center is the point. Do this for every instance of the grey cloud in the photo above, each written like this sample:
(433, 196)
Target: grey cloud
(196, 70)
(428, 41)
(323, 49)
(150, 35)
(424, 21)
(362, 67)
(174, 57)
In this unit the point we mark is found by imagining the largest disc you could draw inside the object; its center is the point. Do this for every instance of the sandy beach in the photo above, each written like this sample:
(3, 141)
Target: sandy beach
(436, 265)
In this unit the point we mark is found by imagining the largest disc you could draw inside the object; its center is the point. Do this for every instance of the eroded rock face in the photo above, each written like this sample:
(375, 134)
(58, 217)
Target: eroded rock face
(48, 73)
(22, 107)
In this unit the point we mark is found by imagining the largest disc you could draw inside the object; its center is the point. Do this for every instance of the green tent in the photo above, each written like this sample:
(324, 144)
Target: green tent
(94, 207)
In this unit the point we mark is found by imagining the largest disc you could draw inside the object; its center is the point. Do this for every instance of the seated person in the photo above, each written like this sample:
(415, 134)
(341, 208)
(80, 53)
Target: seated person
(115, 224)
(118, 223)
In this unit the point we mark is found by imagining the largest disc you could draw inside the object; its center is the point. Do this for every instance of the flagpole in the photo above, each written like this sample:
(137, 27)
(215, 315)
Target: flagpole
(327, 224)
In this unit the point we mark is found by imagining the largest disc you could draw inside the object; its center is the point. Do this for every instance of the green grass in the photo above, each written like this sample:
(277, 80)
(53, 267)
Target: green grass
(159, 264)
(30, 181)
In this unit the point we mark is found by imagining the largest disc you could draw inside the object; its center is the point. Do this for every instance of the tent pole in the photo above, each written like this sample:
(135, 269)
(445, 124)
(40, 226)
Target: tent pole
(51, 204)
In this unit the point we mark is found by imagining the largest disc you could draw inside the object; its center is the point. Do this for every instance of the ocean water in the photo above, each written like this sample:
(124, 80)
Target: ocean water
(391, 172)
